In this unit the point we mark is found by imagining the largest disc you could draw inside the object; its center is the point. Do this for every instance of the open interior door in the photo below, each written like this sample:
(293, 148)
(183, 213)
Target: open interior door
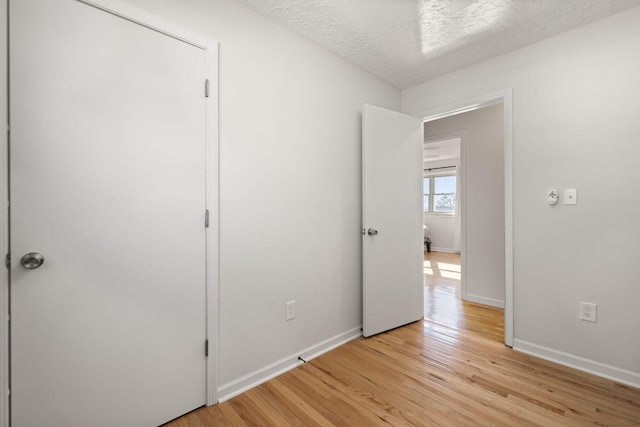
(392, 246)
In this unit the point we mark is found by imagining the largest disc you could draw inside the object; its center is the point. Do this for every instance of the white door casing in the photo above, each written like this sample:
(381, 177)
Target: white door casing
(505, 97)
(108, 180)
(393, 282)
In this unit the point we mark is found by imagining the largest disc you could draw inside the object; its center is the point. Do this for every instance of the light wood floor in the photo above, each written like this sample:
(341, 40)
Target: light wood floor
(450, 370)
(444, 306)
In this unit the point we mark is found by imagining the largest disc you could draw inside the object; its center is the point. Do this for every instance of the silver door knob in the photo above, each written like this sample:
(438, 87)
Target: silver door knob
(32, 260)
(372, 232)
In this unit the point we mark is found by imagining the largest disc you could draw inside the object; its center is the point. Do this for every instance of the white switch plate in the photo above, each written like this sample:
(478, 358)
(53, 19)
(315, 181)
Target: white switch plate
(570, 196)
(291, 310)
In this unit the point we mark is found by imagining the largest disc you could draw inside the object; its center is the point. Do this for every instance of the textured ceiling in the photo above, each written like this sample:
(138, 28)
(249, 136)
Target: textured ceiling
(408, 42)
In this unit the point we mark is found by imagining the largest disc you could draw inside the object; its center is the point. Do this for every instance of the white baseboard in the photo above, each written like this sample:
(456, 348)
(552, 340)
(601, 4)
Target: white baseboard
(483, 300)
(255, 378)
(603, 370)
(448, 250)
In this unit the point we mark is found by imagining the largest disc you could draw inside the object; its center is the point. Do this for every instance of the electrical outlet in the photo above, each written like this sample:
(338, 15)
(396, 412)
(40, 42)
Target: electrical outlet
(588, 311)
(291, 310)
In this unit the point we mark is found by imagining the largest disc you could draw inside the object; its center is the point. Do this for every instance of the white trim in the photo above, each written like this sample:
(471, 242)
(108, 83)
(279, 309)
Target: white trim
(212, 236)
(151, 21)
(613, 373)
(439, 171)
(262, 375)
(508, 217)
(505, 97)
(440, 214)
(447, 250)
(465, 106)
(463, 215)
(4, 223)
(483, 300)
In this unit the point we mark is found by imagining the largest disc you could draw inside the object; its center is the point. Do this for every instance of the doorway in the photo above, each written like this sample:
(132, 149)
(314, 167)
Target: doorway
(484, 268)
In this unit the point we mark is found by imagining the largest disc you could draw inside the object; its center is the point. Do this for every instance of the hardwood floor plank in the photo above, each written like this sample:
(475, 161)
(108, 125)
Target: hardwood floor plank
(213, 416)
(395, 377)
(333, 410)
(374, 402)
(345, 369)
(267, 414)
(277, 405)
(234, 419)
(302, 409)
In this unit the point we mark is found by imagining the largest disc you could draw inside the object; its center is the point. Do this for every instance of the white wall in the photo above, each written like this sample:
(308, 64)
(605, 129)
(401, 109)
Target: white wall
(575, 124)
(442, 230)
(483, 148)
(290, 187)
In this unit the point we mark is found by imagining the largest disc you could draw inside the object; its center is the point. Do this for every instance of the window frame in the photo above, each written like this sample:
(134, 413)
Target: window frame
(453, 171)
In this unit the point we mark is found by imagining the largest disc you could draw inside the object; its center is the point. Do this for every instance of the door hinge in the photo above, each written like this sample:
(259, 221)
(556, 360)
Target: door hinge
(206, 88)
(7, 261)
(206, 348)
(206, 218)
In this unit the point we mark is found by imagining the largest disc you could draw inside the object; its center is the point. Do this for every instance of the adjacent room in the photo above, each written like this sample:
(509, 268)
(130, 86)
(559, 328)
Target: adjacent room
(464, 205)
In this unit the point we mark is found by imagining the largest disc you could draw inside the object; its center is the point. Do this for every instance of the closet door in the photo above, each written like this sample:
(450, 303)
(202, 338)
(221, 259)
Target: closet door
(107, 219)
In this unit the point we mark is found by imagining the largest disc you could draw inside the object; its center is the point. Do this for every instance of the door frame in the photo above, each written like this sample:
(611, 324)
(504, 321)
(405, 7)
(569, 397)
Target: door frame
(504, 97)
(210, 48)
(4, 220)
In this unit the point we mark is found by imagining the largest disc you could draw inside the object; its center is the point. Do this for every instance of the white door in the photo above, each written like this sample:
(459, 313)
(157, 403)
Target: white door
(391, 219)
(107, 183)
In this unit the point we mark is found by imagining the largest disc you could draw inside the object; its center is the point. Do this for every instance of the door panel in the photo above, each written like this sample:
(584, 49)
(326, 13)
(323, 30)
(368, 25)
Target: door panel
(392, 206)
(108, 183)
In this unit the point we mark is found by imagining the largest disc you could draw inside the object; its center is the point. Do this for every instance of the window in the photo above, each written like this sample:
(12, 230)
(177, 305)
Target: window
(427, 192)
(440, 194)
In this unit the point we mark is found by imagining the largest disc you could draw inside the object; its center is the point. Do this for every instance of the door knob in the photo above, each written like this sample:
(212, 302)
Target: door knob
(372, 232)
(32, 260)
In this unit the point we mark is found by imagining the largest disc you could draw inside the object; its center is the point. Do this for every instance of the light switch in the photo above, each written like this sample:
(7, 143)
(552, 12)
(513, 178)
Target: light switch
(570, 196)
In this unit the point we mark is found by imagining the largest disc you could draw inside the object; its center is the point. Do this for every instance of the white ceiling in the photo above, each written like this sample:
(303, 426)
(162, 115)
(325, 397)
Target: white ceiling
(408, 42)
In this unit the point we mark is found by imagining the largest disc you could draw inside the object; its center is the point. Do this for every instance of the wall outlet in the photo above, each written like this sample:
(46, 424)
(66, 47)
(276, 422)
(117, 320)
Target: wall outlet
(588, 311)
(291, 310)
